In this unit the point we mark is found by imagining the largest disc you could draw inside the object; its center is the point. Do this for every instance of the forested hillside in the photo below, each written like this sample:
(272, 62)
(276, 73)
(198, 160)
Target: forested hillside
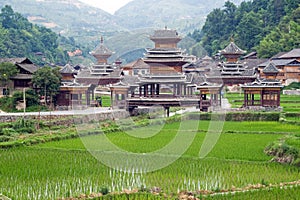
(182, 15)
(267, 26)
(20, 38)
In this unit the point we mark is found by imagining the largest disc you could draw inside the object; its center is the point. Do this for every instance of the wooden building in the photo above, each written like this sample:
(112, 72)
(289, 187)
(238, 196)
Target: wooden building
(210, 95)
(68, 73)
(102, 73)
(26, 69)
(74, 95)
(165, 57)
(288, 65)
(165, 85)
(138, 67)
(232, 71)
(262, 93)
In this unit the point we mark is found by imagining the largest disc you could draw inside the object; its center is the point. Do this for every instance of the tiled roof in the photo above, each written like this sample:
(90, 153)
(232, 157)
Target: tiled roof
(232, 48)
(198, 79)
(252, 55)
(165, 33)
(295, 53)
(101, 50)
(22, 77)
(23, 63)
(264, 83)
(86, 73)
(29, 67)
(280, 62)
(207, 58)
(248, 72)
(15, 60)
(67, 69)
(278, 55)
(254, 63)
(270, 68)
(138, 64)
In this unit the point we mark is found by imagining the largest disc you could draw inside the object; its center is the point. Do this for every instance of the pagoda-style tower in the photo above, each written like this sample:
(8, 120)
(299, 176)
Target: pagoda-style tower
(165, 57)
(165, 85)
(165, 38)
(232, 53)
(101, 73)
(232, 71)
(101, 53)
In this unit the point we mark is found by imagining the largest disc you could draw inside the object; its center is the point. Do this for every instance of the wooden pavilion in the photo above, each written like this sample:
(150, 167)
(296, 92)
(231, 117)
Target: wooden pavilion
(264, 92)
(210, 95)
(74, 95)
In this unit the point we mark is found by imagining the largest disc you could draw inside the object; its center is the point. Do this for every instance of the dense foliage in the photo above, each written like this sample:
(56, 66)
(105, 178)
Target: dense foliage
(7, 70)
(9, 103)
(48, 81)
(268, 26)
(20, 38)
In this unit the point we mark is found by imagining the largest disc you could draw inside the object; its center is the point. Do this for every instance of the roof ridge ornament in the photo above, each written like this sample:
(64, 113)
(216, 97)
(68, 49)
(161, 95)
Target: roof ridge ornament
(232, 38)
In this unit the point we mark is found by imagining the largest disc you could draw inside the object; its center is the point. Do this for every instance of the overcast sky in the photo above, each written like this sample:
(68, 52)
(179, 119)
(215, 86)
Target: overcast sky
(108, 5)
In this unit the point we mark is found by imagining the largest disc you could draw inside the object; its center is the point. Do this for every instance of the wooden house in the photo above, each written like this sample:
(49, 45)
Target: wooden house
(26, 69)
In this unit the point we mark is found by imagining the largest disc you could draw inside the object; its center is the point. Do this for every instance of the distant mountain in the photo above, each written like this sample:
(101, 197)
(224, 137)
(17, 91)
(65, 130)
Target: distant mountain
(69, 17)
(126, 31)
(183, 15)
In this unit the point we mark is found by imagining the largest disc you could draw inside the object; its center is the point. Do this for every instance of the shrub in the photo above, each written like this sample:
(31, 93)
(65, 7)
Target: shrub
(8, 131)
(104, 190)
(282, 152)
(5, 138)
(24, 126)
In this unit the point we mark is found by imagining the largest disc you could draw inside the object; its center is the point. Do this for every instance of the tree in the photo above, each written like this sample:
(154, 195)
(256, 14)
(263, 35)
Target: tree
(284, 37)
(20, 38)
(7, 70)
(48, 81)
(249, 30)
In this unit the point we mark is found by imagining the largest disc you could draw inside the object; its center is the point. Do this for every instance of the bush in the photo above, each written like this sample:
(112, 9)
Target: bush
(297, 162)
(282, 152)
(104, 190)
(8, 131)
(292, 86)
(23, 123)
(7, 104)
(31, 97)
(5, 138)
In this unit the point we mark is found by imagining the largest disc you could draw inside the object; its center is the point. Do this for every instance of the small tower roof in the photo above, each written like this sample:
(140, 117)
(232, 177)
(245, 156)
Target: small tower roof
(101, 50)
(67, 69)
(165, 34)
(232, 48)
(206, 58)
(270, 68)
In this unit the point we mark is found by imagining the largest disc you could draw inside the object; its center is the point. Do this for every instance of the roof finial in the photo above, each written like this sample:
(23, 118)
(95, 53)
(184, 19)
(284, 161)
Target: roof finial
(231, 38)
(101, 40)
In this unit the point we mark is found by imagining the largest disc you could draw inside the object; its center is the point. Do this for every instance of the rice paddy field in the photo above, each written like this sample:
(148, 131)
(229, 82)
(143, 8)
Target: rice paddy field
(65, 168)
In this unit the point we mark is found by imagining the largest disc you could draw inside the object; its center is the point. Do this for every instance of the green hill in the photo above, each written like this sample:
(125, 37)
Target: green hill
(267, 26)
